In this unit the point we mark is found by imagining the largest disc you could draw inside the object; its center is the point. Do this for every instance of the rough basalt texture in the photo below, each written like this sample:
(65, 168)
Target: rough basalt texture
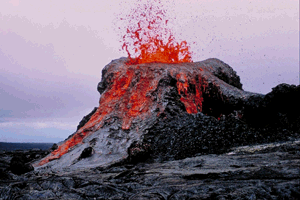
(19, 166)
(278, 109)
(269, 171)
(19, 162)
(274, 117)
(86, 118)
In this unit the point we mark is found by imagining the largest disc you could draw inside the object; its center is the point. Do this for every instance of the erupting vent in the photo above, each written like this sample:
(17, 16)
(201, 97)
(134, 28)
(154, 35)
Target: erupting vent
(149, 39)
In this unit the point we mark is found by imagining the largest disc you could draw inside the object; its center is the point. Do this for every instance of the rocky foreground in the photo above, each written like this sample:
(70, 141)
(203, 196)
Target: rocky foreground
(269, 171)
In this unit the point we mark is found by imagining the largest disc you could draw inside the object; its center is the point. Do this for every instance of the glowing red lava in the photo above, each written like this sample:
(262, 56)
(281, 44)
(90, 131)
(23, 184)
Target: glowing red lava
(191, 99)
(149, 39)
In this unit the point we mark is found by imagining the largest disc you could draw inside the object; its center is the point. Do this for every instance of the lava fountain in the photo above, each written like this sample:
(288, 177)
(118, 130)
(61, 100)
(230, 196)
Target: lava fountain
(147, 40)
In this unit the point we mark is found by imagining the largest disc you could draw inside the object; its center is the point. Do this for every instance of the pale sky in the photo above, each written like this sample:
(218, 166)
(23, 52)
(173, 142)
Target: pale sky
(52, 53)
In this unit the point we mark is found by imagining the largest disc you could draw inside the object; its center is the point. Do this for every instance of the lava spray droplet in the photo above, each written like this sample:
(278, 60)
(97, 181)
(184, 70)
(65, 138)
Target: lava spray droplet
(148, 37)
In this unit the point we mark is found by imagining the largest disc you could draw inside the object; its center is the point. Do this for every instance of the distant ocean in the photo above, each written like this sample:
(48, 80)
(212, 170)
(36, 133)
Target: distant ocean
(7, 146)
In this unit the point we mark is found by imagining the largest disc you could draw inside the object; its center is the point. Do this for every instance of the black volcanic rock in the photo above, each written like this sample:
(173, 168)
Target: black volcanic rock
(86, 118)
(87, 152)
(19, 166)
(278, 109)
(224, 72)
(19, 161)
(138, 152)
(268, 171)
(183, 135)
(4, 174)
(54, 147)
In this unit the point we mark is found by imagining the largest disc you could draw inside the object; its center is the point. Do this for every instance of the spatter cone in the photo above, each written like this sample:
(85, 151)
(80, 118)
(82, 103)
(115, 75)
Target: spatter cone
(160, 111)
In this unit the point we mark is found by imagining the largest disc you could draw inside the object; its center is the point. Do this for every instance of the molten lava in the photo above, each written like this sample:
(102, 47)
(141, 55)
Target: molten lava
(191, 92)
(149, 39)
(128, 98)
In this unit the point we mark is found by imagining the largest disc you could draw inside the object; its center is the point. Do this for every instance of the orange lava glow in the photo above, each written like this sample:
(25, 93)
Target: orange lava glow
(149, 39)
(190, 92)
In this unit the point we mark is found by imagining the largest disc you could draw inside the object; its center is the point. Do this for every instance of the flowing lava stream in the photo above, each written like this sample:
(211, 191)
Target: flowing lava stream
(148, 39)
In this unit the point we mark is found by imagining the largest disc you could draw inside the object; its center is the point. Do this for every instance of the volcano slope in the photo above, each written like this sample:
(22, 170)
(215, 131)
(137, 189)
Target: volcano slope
(158, 111)
(168, 131)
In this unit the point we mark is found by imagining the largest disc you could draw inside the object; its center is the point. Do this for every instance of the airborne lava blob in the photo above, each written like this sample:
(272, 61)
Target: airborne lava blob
(149, 39)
